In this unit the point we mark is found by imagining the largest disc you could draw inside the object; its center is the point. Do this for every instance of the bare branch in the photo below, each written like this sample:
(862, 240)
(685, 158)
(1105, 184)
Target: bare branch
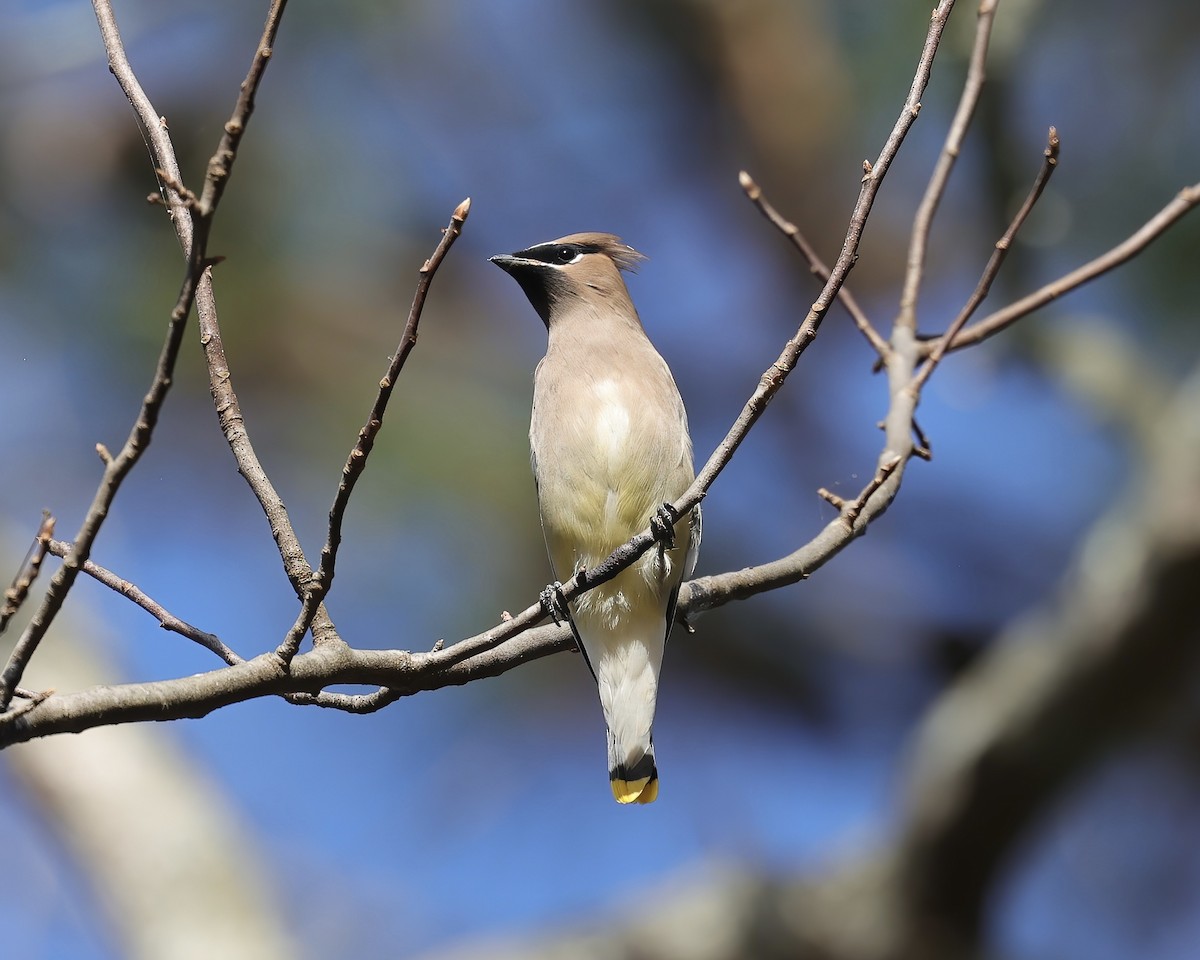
(31, 564)
(166, 620)
(318, 587)
(233, 426)
(1155, 227)
(153, 127)
(919, 243)
(221, 163)
(1003, 245)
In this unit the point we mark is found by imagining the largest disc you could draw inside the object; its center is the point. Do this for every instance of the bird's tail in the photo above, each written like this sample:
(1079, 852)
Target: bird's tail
(636, 783)
(627, 677)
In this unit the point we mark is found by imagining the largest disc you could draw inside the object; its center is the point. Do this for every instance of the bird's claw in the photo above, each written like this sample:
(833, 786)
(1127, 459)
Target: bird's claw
(554, 603)
(662, 525)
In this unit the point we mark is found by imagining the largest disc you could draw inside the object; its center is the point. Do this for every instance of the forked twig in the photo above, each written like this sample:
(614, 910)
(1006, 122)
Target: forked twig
(995, 262)
(906, 320)
(1182, 204)
(815, 265)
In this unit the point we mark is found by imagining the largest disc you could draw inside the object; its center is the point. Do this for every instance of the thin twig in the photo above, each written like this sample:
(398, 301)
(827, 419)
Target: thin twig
(31, 564)
(167, 620)
(995, 262)
(233, 426)
(152, 126)
(923, 448)
(919, 242)
(1156, 226)
(815, 265)
(831, 498)
(318, 586)
(220, 165)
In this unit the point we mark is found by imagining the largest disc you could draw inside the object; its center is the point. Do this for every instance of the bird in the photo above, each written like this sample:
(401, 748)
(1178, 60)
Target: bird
(610, 451)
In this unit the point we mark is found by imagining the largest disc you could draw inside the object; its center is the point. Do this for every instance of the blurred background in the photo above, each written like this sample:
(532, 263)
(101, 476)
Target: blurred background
(481, 815)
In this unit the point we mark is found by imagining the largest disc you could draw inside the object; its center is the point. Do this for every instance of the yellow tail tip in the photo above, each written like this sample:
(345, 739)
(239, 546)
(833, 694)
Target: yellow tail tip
(635, 791)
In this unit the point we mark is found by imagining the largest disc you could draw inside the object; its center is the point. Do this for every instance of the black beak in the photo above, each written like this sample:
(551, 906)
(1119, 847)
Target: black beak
(505, 261)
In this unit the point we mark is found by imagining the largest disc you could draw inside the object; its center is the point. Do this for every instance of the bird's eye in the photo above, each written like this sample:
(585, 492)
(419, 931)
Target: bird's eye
(566, 254)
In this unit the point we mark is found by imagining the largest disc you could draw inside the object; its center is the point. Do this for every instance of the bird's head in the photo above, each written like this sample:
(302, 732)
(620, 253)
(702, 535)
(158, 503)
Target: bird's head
(580, 268)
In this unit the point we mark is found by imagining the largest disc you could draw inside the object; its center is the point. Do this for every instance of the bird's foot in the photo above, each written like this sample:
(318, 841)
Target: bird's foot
(554, 603)
(662, 525)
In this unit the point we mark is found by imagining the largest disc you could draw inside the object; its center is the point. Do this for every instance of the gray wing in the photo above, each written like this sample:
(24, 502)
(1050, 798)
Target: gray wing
(550, 559)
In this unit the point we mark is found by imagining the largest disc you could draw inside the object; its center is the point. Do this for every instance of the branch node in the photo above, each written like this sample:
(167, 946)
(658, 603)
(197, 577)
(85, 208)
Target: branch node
(35, 696)
(30, 700)
(830, 497)
(186, 196)
(852, 510)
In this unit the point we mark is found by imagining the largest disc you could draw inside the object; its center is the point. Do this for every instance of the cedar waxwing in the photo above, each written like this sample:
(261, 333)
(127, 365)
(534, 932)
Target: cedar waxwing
(610, 446)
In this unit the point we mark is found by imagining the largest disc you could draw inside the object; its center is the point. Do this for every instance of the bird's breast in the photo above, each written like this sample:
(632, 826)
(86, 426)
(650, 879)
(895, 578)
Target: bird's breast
(611, 426)
(609, 443)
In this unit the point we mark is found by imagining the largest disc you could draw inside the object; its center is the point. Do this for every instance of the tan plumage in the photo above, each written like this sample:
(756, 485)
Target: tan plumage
(610, 445)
